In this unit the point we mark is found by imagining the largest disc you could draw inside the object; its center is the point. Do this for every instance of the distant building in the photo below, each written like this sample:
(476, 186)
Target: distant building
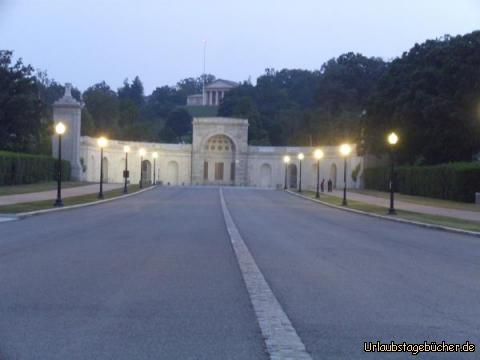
(214, 93)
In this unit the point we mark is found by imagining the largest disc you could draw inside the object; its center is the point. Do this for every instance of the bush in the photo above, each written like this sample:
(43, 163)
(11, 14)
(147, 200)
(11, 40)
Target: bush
(19, 168)
(453, 181)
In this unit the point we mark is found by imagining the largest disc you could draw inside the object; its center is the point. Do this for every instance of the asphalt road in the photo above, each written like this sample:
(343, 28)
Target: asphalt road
(154, 276)
(344, 278)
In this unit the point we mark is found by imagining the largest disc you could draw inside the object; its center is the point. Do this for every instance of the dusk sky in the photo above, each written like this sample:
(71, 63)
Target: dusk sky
(88, 41)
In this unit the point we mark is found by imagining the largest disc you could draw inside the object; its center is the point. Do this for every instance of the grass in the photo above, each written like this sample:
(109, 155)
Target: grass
(42, 186)
(407, 215)
(202, 111)
(421, 200)
(48, 204)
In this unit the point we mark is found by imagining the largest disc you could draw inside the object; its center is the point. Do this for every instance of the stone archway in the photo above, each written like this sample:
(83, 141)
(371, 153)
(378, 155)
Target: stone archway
(292, 176)
(333, 175)
(266, 176)
(172, 173)
(147, 172)
(219, 164)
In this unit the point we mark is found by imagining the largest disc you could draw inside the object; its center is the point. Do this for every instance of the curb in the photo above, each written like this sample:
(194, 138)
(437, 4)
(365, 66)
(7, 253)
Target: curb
(390, 218)
(77, 206)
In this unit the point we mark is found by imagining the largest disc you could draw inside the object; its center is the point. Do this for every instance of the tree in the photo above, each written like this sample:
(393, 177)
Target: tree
(163, 100)
(430, 95)
(102, 104)
(133, 92)
(191, 86)
(20, 107)
(178, 126)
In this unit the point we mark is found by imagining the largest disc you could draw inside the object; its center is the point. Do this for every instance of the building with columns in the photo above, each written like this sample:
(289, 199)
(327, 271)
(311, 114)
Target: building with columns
(219, 155)
(214, 93)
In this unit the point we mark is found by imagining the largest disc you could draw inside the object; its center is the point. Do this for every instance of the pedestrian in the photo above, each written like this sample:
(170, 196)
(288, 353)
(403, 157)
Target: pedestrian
(322, 185)
(330, 185)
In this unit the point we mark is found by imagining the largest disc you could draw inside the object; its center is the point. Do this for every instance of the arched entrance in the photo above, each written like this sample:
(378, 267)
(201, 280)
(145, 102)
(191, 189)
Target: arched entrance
(219, 160)
(172, 173)
(292, 176)
(146, 172)
(105, 170)
(265, 176)
(333, 175)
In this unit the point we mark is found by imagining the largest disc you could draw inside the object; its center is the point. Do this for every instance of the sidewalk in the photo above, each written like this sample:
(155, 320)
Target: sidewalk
(52, 194)
(408, 206)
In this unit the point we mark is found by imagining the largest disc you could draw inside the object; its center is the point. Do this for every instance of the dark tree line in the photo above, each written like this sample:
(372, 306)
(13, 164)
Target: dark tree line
(430, 95)
(300, 107)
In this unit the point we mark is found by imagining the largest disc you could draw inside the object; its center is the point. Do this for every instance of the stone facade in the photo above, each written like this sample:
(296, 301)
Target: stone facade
(219, 155)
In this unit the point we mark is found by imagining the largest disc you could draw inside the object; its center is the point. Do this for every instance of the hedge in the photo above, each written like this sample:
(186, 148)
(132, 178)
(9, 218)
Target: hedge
(453, 181)
(19, 168)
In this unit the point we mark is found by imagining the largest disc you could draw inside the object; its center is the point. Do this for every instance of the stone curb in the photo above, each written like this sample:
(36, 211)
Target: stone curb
(77, 206)
(390, 218)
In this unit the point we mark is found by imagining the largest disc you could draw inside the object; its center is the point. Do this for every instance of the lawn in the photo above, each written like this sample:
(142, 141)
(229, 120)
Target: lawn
(48, 204)
(407, 215)
(42, 186)
(421, 200)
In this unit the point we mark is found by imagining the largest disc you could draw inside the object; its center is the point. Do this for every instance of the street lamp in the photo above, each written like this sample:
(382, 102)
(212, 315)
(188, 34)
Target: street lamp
(286, 160)
(126, 150)
(392, 141)
(155, 156)
(300, 158)
(345, 150)
(318, 154)
(102, 142)
(60, 130)
(142, 153)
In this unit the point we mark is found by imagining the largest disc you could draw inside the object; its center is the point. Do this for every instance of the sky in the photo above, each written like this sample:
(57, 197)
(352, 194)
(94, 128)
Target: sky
(88, 41)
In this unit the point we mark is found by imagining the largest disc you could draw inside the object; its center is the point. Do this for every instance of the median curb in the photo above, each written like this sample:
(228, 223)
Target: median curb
(390, 218)
(77, 206)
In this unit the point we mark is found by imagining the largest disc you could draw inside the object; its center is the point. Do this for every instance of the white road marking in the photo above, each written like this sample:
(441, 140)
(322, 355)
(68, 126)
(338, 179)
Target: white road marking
(281, 339)
(7, 218)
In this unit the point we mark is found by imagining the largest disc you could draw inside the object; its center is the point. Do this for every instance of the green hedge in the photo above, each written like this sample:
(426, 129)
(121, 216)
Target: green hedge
(19, 168)
(453, 181)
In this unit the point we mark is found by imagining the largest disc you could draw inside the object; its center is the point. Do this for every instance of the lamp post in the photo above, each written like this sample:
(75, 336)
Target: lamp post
(126, 150)
(345, 150)
(286, 160)
(142, 153)
(60, 130)
(392, 141)
(318, 154)
(155, 156)
(300, 158)
(102, 142)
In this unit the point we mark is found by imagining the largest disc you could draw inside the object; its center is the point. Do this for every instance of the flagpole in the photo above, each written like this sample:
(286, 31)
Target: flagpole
(204, 60)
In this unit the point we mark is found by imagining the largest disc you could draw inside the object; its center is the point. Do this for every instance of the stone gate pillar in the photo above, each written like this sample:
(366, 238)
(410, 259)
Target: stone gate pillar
(68, 110)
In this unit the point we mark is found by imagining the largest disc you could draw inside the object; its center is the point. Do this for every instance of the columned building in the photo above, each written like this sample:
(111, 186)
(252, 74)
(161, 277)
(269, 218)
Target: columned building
(214, 93)
(219, 155)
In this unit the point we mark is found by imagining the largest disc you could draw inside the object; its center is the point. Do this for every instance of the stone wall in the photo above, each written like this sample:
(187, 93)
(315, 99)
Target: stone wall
(172, 165)
(183, 164)
(266, 167)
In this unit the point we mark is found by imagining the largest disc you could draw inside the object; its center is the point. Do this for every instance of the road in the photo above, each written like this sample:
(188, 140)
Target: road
(154, 276)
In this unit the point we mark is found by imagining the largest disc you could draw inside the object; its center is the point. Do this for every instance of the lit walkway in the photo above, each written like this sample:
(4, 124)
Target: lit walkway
(52, 194)
(409, 206)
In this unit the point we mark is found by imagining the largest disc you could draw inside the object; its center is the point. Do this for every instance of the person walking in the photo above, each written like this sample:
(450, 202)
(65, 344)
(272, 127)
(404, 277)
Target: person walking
(322, 185)
(330, 185)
